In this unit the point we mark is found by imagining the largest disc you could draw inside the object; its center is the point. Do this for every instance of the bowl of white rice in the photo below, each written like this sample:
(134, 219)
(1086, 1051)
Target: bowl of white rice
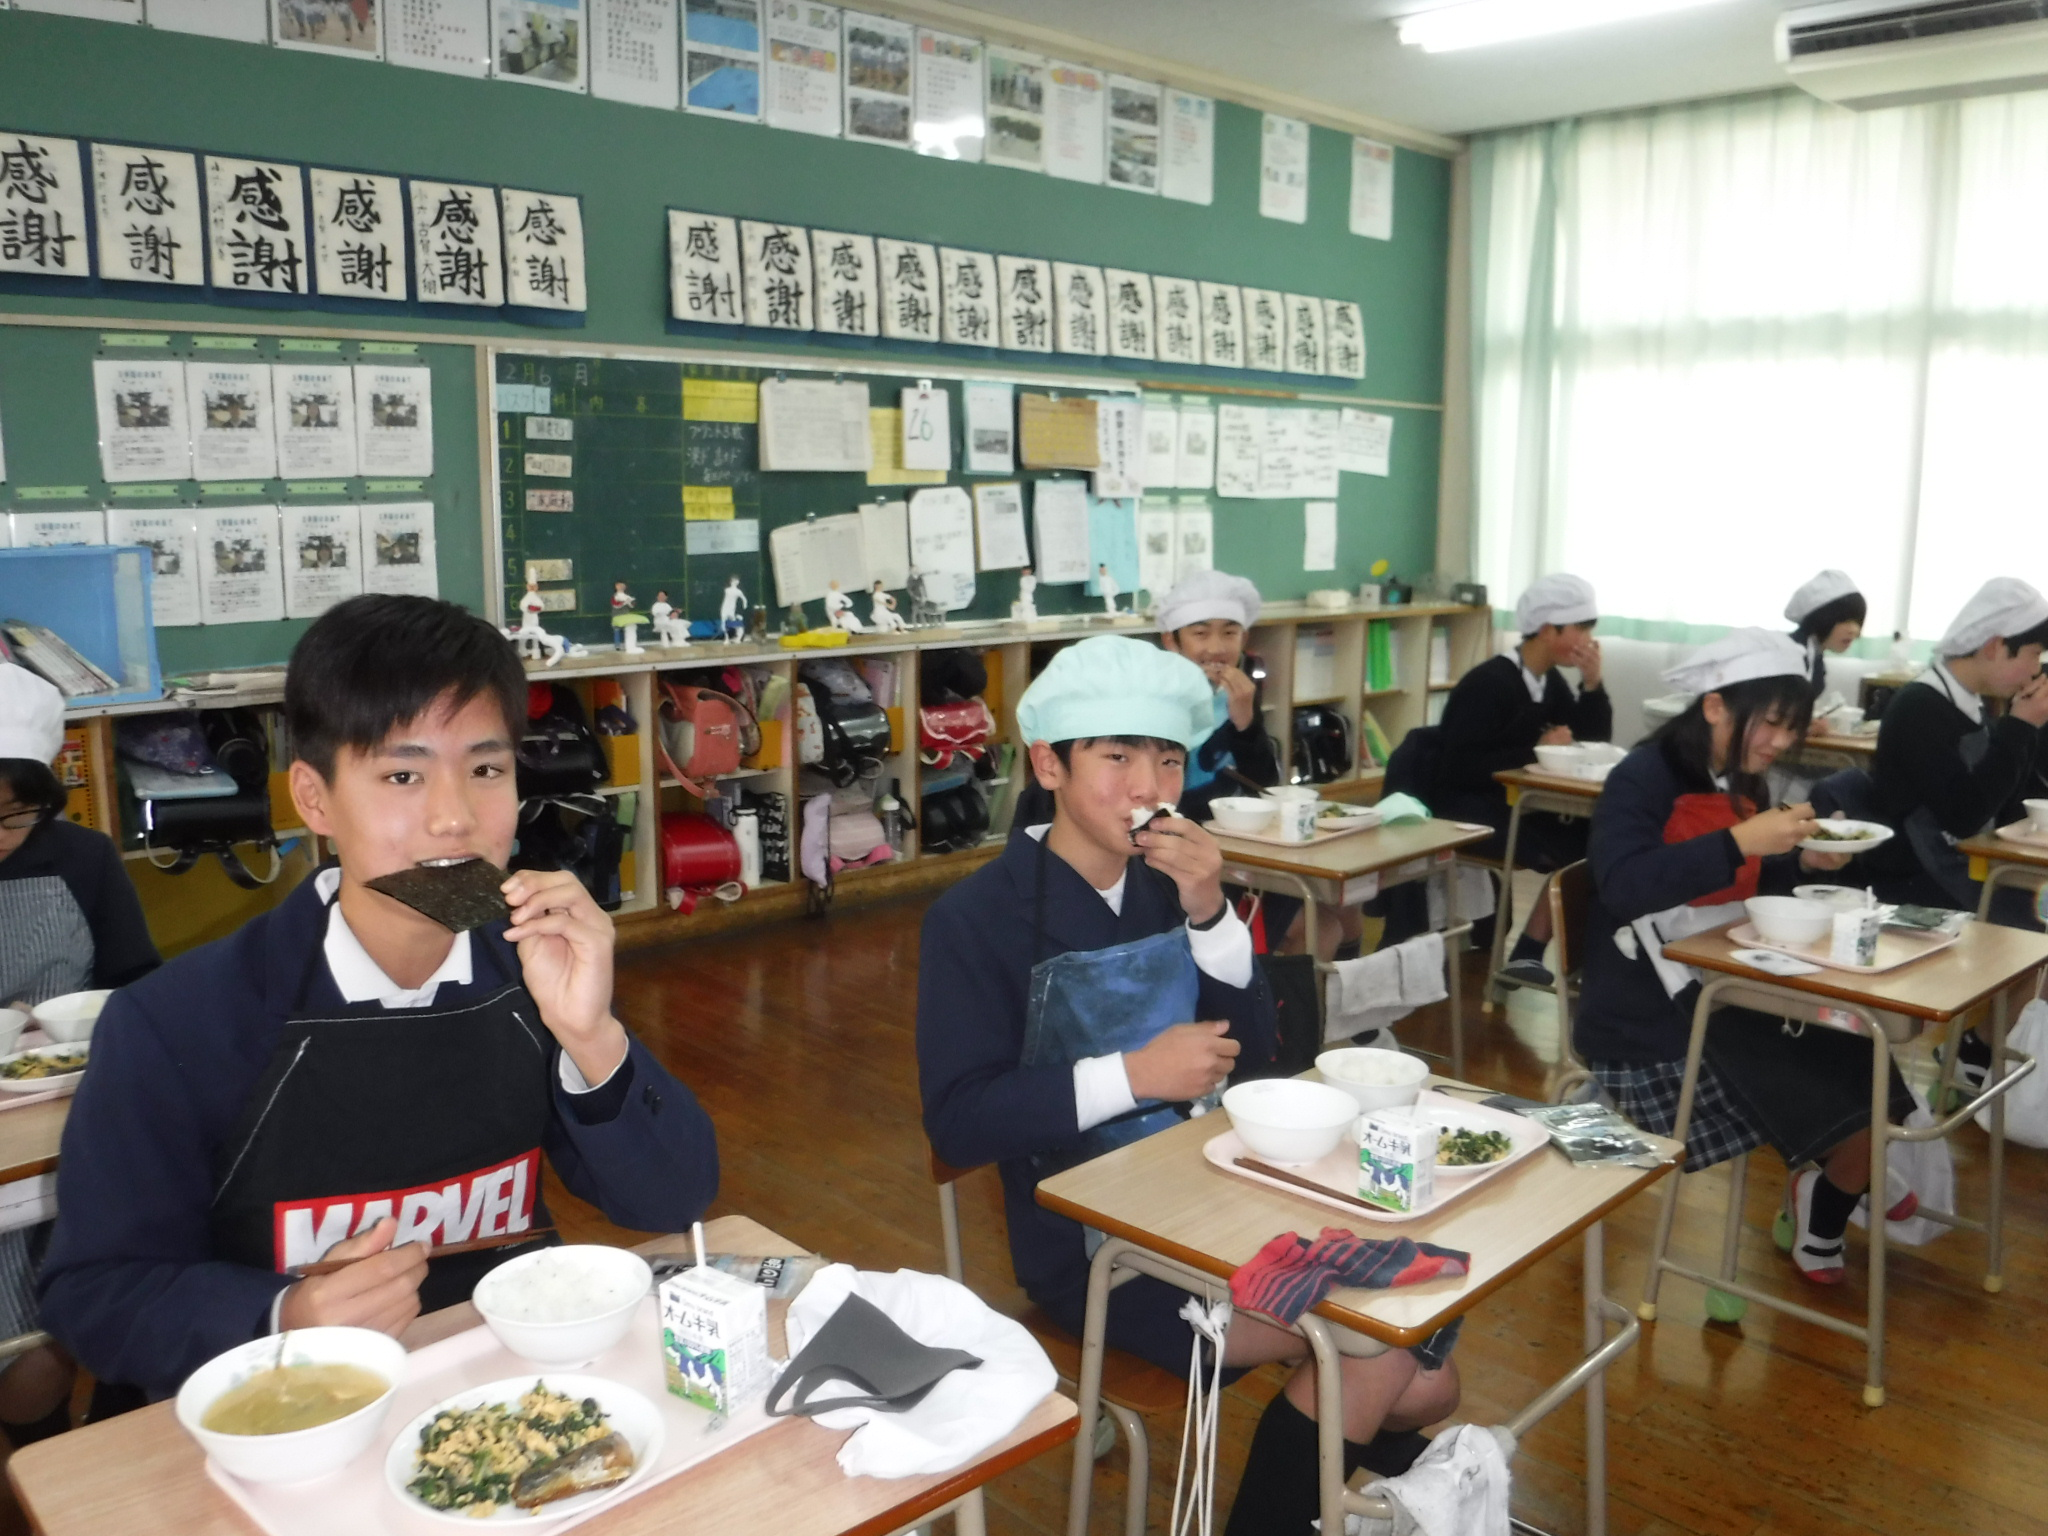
(563, 1306)
(1377, 1079)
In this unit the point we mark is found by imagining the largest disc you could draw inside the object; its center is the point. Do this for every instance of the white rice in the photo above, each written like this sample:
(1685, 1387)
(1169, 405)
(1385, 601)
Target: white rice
(1378, 1069)
(558, 1285)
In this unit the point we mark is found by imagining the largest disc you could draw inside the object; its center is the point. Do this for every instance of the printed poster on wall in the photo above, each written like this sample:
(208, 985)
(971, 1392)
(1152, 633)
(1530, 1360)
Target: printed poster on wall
(1194, 537)
(150, 228)
(1187, 148)
(1222, 326)
(1016, 109)
(1113, 545)
(703, 268)
(1120, 449)
(1077, 309)
(457, 252)
(1059, 520)
(543, 249)
(876, 51)
(398, 548)
(42, 207)
(843, 282)
(240, 575)
(353, 31)
(143, 431)
(323, 561)
(452, 37)
(1024, 303)
(1176, 320)
(1265, 324)
(803, 67)
(1304, 332)
(990, 433)
(359, 236)
(1128, 296)
(45, 530)
(237, 21)
(947, 119)
(967, 289)
(232, 433)
(722, 58)
(634, 52)
(1372, 189)
(910, 289)
(1155, 543)
(90, 10)
(942, 544)
(999, 527)
(1076, 98)
(256, 226)
(1134, 133)
(172, 539)
(776, 260)
(1194, 456)
(1283, 168)
(314, 407)
(540, 42)
(1343, 339)
(394, 421)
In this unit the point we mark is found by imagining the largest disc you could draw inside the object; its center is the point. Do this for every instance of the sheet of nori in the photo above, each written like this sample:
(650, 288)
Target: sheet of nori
(457, 896)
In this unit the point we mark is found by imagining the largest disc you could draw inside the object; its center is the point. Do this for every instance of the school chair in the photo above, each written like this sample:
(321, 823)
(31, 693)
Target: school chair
(1571, 896)
(1131, 1388)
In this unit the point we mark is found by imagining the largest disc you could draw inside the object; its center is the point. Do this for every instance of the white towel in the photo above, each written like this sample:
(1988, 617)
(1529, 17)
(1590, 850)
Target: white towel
(1370, 981)
(1377, 990)
(1422, 970)
(1458, 1487)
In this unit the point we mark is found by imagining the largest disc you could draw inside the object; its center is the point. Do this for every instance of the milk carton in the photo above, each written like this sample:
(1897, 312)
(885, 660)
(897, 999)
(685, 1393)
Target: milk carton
(1397, 1160)
(714, 1339)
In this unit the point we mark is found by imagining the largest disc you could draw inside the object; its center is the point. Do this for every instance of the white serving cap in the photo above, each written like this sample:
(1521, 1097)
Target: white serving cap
(1817, 594)
(1739, 656)
(31, 716)
(1559, 598)
(1203, 595)
(2004, 605)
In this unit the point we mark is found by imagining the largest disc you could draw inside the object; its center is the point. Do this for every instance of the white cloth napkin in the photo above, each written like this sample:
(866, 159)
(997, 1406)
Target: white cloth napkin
(1376, 990)
(1458, 1487)
(962, 1416)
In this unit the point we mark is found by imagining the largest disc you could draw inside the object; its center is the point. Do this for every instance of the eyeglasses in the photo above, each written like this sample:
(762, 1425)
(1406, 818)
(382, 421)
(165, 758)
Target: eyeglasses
(24, 821)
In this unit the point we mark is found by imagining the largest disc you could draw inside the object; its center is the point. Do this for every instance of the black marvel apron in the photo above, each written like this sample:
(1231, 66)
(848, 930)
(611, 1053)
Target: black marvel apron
(432, 1115)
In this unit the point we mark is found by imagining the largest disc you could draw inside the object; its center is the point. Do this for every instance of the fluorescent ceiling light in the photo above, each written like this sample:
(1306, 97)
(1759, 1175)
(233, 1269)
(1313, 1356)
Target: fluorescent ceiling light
(1477, 23)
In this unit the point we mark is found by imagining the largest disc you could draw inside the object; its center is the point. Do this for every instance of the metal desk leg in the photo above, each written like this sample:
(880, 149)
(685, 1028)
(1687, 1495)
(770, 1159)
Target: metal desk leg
(1595, 1289)
(1454, 949)
(1088, 1390)
(1646, 1309)
(1504, 912)
(1880, 1124)
(1329, 1419)
(1994, 1217)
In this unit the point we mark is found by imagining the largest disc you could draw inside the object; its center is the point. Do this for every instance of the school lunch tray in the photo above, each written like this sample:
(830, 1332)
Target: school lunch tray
(1350, 826)
(1337, 1172)
(1895, 947)
(356, 1501)
(2023, 833)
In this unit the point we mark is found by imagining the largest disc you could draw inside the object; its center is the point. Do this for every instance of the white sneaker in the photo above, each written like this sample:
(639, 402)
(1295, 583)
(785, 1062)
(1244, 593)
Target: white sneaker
(1818, 1259)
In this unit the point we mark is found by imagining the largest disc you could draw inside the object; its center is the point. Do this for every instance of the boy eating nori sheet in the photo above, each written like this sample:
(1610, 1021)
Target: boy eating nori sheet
(346, 1078)
(1075, 994)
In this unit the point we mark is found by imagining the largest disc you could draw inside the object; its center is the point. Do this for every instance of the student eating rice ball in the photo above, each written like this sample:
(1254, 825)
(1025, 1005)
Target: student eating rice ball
(346, 1078)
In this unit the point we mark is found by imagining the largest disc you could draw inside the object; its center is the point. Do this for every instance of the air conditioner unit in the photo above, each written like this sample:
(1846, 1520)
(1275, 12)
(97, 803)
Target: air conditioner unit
(1870, 53)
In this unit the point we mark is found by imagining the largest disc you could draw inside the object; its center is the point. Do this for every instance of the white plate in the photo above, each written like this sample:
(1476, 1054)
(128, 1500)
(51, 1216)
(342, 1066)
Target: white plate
(1873, 833)
(43, 1084)
(1459, 1120)
(627, 1411)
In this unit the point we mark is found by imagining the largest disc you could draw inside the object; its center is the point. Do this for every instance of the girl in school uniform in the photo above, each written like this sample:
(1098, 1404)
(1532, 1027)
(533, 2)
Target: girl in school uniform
(1829, 613)
(1077, 993)
(69, 922)
(1678, 842)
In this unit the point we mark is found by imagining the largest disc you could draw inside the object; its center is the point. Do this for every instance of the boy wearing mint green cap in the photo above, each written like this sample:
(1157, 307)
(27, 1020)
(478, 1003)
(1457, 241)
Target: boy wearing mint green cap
(1081, 991)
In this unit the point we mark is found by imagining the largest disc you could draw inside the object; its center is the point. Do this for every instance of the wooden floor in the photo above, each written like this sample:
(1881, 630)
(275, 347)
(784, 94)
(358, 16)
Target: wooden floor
(798, 1038)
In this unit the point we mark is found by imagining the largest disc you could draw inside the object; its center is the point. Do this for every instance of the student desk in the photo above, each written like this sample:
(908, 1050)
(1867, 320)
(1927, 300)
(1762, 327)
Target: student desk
(1529, 789)
(2000, 861)
(1167, 1212)
(142, 1472)
(1356, 868)
(1890, 1007)
(29, 1138)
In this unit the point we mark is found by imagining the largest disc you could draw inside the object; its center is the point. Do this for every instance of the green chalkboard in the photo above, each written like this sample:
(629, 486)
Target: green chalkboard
(52, 442)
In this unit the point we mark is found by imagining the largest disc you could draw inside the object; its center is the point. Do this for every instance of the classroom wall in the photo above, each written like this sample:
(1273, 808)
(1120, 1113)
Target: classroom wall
(64, 76)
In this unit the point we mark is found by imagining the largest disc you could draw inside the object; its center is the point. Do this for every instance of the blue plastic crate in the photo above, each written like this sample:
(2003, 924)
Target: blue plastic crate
(95, 597)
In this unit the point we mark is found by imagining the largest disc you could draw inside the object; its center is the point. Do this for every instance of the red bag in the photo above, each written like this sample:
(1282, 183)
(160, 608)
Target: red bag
(963, 725)
(696, 852)
(700, 733)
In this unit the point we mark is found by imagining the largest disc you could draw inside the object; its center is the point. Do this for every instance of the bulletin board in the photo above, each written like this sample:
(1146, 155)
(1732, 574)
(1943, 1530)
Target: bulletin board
(53, 461)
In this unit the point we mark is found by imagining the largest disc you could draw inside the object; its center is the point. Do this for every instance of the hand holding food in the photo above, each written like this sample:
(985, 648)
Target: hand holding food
(1180, 849)
(1186, 1062)
(1587, 660)
(1774, 832)
(2031, 702)
(381, 1290)
(1239, 691)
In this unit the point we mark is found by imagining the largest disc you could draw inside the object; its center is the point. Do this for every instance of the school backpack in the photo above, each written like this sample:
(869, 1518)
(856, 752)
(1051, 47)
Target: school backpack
(704, 733)
(558, 755)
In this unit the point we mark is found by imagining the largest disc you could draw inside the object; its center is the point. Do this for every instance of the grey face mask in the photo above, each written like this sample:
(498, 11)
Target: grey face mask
(860, 1344)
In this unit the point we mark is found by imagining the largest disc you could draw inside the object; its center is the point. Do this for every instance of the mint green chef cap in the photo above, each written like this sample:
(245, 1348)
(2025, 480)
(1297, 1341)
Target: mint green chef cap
(1111, 685)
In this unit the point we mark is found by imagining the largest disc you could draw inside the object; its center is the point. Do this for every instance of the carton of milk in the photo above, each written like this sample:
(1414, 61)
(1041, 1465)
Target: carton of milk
(714, 1339)
(1397, 1160)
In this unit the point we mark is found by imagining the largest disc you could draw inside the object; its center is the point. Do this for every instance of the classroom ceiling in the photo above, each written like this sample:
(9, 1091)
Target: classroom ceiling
(1345, 53)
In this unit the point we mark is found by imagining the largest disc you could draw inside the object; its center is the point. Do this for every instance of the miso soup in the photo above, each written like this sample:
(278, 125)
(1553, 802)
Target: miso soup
(285, 1398)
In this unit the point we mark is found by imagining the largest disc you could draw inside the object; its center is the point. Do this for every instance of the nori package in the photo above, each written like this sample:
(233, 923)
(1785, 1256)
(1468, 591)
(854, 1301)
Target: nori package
(457, 896)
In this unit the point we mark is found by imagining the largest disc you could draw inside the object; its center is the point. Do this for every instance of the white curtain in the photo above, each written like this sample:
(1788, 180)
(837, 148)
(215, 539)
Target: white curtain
(1717, 347)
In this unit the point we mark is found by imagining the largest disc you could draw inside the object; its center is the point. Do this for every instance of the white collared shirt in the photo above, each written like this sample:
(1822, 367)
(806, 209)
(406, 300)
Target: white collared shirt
(1532, 682)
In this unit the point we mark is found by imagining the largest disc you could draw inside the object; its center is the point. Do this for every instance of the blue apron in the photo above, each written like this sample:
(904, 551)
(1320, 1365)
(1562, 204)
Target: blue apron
(1098, 1002)
(1196, 774)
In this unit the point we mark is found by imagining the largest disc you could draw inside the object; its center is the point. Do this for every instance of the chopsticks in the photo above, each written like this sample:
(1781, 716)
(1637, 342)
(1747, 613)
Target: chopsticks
(1253, 1165)
(446, 1250)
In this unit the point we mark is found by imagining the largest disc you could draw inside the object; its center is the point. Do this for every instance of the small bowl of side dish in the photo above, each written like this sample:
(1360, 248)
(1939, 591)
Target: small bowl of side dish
(1241, 813)
(565, 1305)
(348, 1374)
(69, 1019)
(43, 1068)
